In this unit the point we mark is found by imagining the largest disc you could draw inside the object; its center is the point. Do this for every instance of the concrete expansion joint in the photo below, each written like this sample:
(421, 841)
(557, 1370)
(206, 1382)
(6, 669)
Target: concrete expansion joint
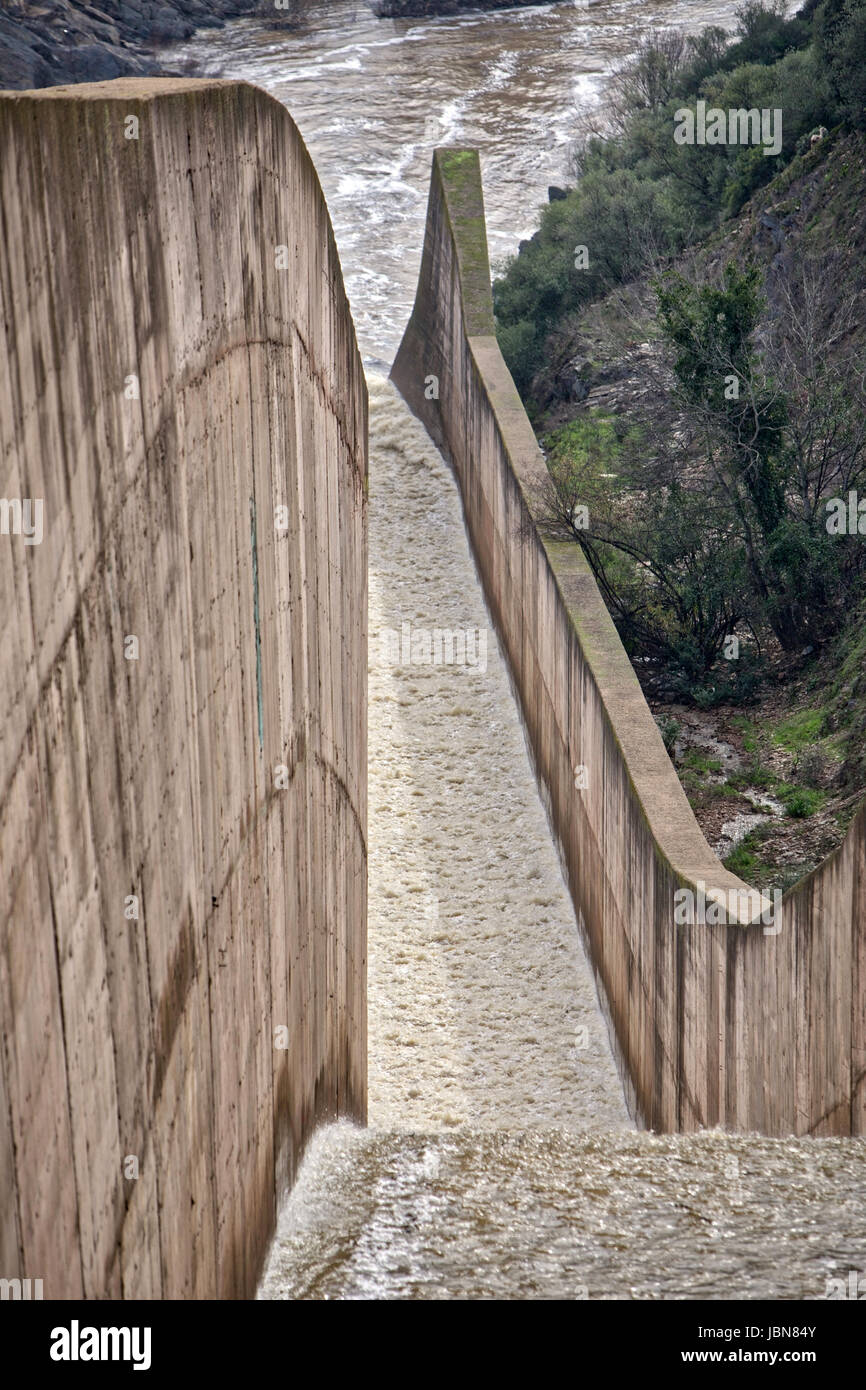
(336, 407)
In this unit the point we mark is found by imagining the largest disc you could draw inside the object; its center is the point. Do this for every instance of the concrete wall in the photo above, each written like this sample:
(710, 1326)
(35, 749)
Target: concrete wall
(157, 1038)
(721, 1024)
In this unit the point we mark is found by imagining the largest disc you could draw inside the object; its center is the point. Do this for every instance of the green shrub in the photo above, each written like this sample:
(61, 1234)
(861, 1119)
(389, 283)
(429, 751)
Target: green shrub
(521, 347)
(670, 732)
(801, 729)
(802, 801)
(840, 45)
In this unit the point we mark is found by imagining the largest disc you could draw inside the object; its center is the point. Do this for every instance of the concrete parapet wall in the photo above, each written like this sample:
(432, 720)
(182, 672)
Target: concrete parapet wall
(744, 1024)
(169, 379)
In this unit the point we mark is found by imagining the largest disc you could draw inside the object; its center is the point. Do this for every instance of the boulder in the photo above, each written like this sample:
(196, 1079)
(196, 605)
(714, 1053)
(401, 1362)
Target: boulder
(21, 66)
(167, 26)
(94, 62)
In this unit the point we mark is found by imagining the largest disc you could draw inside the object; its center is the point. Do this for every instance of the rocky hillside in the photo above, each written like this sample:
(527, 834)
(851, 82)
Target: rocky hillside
(774, 782)
(611, 357)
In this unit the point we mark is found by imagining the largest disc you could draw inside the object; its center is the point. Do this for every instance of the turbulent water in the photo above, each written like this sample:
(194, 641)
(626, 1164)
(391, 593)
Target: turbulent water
(373, 98)
(500, 1160)
(547, 1214)
(481, 1006)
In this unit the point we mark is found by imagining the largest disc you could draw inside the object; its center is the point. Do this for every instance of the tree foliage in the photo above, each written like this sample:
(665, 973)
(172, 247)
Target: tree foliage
(639, 197)
(687, 553)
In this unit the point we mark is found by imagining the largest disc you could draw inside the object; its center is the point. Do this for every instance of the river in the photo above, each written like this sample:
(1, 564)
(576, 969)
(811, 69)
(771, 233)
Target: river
(373, 98)
(500, 1160)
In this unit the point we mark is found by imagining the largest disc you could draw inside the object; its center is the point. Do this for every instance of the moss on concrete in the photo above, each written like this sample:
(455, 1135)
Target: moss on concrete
(460, 173)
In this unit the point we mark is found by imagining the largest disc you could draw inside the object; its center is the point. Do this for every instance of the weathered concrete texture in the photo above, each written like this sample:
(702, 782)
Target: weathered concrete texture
(155, 777)
(715, 1024)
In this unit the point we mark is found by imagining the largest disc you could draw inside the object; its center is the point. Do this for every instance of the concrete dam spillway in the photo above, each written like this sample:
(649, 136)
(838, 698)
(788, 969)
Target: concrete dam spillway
(557, 1197)
(184, 822)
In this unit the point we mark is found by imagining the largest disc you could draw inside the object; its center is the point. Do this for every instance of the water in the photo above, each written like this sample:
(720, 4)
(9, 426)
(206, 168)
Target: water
(547, 1214)
(500, 1160)
(373, 98)
(481, 1007)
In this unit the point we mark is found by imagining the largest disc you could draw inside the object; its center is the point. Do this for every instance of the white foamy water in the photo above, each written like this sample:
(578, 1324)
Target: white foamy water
(549, 1214)
(481, 1006)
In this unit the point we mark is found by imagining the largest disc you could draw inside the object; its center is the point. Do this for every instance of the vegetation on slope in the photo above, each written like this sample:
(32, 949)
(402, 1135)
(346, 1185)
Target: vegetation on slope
(697, 376)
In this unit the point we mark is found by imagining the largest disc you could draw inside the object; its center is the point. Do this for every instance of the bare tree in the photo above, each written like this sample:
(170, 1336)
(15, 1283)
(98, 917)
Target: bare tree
(825, 386)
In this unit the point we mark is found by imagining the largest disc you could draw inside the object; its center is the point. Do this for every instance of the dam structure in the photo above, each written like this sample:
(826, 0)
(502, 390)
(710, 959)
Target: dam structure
(732, 1015)
(477, 1180)
(338, 953)
(183, 749)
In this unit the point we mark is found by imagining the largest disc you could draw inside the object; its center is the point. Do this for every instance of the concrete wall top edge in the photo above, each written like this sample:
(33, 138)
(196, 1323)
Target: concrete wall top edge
(135, 88)
(456, 199)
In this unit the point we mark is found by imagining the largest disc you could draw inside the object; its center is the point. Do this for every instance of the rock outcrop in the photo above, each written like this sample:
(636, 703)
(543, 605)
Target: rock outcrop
(46, 43)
